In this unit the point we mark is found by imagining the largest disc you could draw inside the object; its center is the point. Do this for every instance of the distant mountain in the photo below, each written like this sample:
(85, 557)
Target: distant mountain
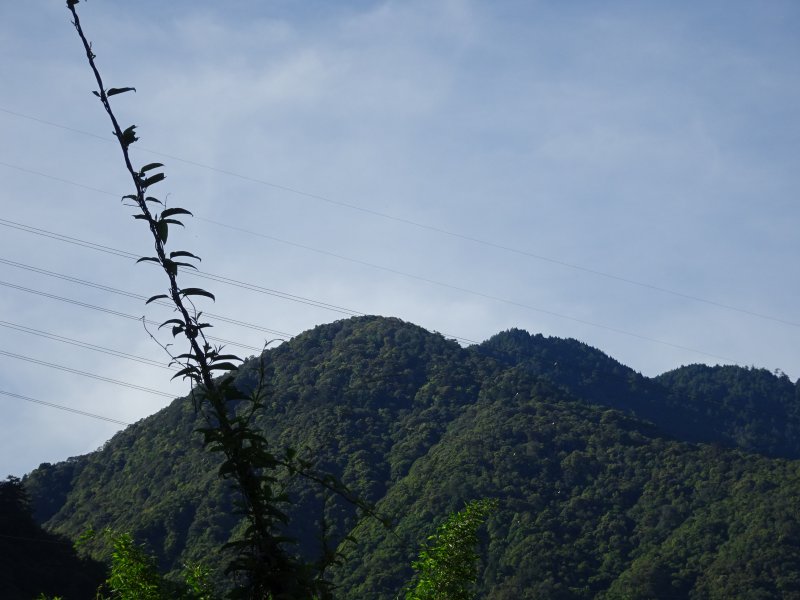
(611, 484)
(751, 409)
(748, 408)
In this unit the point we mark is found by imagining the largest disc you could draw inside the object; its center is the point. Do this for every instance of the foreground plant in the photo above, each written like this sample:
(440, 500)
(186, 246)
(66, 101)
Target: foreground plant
(261, 567)
(447, 564)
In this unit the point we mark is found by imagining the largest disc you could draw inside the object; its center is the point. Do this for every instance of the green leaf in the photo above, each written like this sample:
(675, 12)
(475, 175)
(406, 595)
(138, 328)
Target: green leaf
(175, 211)
(149, 167)
(226, 357)
(183, 253)
(149, 259)
(154, 179)
(186, 372)
(115, 91)
(163, 231)
(178, 321)
(225, 366)
(172, 221)
(130, 197)
(157, 297)
(197, 292)
(141, 216)
(183, 264)
(151, 199)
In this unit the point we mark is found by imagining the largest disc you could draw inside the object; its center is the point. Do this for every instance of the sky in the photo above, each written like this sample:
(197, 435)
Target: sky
(622, 173)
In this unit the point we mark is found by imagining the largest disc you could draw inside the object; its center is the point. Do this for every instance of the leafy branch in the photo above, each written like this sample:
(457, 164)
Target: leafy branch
(260, 559)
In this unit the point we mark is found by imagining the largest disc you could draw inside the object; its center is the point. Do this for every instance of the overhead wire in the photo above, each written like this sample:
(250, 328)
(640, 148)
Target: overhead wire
(253, 287)
(210, 276)
(116, 313)
(196, 273)
(64, 408)
(86, 345)
(403, 220)
(87, 374)
(294, 298)
(117, 291)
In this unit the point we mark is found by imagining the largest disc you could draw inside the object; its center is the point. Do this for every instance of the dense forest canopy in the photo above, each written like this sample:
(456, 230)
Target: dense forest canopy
(609, 484)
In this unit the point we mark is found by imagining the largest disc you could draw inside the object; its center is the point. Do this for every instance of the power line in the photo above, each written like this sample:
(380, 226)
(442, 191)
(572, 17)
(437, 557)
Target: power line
(101, 349)
(167, 304)
(208, 276)
(50, 365)
(405, 221)
(351, 312)
(67, 239)
(271, 292)
(115, 313)
(201, 274)
(117, 291)
(66, 408)
(343, 310)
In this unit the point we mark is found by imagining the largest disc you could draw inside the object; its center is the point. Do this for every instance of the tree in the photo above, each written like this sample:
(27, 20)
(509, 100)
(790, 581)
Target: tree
(447, 563)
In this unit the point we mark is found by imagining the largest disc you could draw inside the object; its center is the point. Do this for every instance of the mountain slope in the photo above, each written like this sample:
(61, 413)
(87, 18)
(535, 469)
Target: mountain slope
(751, 409)
(748, 408)
(592, 503)
(600, 492)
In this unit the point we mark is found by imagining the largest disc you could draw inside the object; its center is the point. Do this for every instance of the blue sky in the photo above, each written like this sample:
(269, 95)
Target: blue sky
(623, 173)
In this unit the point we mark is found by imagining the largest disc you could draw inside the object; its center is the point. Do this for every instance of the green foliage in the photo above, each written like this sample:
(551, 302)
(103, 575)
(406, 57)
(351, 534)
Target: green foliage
(198, 580)
(593, 500)
(134, 576)
(446, 567)
(752, 409)
(133, 572)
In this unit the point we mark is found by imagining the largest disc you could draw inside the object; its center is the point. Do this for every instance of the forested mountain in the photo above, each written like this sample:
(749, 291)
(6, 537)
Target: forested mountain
(751, 409)
(611, 484)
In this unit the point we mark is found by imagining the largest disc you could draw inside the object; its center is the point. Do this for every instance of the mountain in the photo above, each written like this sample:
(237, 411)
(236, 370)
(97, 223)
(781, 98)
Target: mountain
(751, 409)
(611, 484)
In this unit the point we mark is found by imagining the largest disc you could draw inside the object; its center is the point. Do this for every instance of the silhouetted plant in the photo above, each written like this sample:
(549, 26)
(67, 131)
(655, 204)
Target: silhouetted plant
(261, 566)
